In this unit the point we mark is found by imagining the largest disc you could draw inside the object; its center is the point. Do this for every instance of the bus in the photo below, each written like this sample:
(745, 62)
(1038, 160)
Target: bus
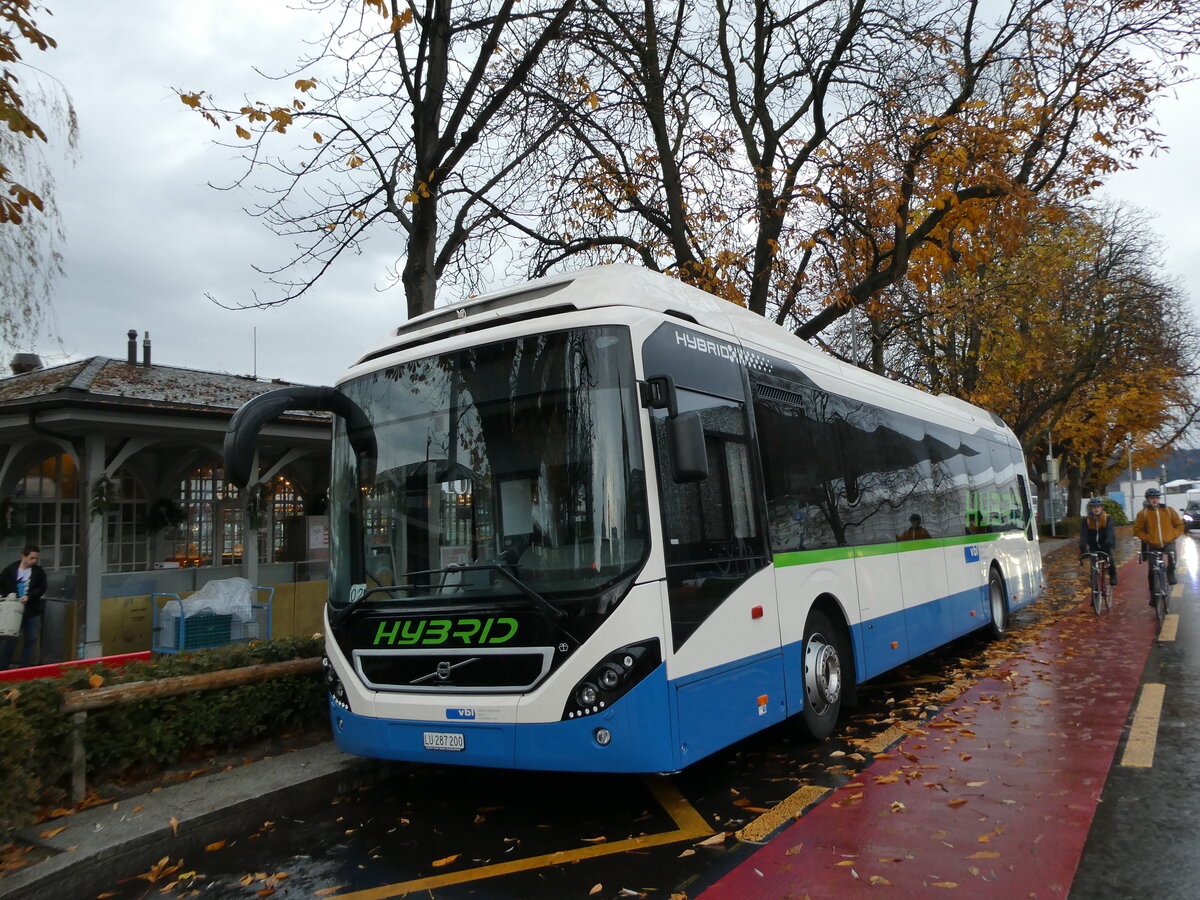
(608, 522)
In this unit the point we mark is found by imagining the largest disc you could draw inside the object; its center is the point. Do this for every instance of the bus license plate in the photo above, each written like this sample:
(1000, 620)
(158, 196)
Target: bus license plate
(444, 740)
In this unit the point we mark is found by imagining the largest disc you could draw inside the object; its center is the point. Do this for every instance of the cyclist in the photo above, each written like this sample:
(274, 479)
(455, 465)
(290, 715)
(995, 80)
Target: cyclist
(1097, 534)
(1157, 526)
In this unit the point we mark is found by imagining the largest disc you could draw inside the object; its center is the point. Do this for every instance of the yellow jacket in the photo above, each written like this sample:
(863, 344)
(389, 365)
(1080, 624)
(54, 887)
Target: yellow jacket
(1157, 526)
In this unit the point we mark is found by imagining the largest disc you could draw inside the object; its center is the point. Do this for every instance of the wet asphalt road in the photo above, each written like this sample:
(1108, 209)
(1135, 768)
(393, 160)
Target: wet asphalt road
(448, 832)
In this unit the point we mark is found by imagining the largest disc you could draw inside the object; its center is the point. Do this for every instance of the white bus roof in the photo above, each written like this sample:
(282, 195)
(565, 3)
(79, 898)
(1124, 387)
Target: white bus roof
(622, 284)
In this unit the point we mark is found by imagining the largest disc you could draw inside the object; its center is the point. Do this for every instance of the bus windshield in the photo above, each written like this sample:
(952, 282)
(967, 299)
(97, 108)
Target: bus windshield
(509, 471)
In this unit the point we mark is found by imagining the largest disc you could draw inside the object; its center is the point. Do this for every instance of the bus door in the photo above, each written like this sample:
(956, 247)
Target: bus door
(724, 655)
(726, 647)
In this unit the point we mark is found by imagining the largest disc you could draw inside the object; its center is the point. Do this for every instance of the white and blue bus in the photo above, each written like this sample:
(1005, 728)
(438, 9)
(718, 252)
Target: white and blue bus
(608, 522)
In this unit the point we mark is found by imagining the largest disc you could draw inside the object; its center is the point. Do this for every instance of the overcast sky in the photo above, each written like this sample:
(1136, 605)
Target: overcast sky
(147, 238)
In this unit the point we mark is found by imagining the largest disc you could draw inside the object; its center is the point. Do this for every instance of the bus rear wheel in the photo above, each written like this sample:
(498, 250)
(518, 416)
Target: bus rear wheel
(824, 658)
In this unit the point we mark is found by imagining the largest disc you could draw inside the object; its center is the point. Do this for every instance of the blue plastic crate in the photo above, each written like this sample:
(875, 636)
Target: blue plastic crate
(206, 630)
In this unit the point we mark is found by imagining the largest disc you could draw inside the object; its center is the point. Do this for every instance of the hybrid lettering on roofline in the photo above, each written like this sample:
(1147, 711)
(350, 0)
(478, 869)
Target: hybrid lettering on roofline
(436, 632)
(737, 355)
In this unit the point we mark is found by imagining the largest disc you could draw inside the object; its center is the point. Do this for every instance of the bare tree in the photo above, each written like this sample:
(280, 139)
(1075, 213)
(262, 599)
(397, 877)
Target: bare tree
(854, 145)
(410, 122)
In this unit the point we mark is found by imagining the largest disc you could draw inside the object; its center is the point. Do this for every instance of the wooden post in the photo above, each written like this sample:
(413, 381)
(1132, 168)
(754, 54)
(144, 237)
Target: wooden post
(79, 760)
(101, 697)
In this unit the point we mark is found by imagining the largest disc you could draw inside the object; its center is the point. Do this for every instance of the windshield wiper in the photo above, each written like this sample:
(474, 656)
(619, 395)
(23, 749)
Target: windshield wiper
(554, 612)
(502, 568)
(383, 588)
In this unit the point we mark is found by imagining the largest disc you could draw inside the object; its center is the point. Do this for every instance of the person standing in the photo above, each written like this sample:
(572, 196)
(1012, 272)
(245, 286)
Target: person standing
(1157, 526)
(27, 580)
(1097, 534)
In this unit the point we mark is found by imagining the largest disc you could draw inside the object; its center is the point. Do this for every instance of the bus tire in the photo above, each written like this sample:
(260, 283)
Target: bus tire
(824, 661)
(998, 603)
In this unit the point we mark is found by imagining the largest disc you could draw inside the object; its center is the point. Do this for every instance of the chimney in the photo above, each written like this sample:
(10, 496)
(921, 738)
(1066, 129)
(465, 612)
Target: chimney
(132, 358)
(146, 350)
(25, 362)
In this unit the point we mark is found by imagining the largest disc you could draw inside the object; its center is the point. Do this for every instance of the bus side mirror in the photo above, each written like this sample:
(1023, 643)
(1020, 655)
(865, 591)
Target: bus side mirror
(242, 435)
(690, 457)
(685, 431)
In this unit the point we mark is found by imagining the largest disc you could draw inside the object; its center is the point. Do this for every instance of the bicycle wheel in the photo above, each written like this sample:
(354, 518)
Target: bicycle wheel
(1160, 593)
(1097, 597)
(1105, 587)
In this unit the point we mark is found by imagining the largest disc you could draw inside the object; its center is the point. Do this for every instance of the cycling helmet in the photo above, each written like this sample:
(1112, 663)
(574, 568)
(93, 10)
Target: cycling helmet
(1153, 492)
(1095, 501)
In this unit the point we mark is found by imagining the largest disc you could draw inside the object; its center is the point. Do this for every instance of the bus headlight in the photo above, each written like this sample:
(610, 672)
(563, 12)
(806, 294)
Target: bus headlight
(587, 695)
(337, 691)
(612, 678)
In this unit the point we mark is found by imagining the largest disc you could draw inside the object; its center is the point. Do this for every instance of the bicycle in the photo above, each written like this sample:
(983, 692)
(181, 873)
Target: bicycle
(1160, 591)
(1101, 588)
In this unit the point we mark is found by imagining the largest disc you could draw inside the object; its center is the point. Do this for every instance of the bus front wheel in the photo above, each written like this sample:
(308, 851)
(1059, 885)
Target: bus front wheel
(824, 658)
(998, 601)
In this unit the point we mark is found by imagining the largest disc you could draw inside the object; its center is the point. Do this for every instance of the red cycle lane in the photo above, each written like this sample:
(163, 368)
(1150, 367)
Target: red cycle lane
(993, 796)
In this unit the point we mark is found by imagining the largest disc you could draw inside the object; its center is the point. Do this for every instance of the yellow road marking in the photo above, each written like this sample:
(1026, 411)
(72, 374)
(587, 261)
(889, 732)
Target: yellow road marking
(689, 825)
(790, 808)
(1143, 735)
(881, 742)
(793, 807)
(1176, 591)
(1170, 627)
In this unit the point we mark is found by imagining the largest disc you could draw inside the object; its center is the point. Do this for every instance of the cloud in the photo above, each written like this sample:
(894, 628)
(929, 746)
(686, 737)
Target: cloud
(148, 238)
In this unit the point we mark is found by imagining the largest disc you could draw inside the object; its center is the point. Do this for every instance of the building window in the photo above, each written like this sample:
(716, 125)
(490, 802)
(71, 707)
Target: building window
(211, 533)
(127, 545)
(286, 503)
(45, 512)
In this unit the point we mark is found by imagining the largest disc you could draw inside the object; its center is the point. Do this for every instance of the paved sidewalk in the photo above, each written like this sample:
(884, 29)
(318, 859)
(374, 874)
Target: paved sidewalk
(98, 846)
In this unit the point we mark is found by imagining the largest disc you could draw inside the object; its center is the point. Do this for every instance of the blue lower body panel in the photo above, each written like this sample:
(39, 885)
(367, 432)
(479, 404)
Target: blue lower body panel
(639, 725)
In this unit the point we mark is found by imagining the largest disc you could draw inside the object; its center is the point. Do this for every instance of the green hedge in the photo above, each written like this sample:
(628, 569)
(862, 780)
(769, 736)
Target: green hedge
(142, 736)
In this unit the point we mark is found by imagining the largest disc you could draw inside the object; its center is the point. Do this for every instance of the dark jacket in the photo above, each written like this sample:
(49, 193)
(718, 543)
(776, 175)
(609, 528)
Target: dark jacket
(37, 587)
(1097, 534)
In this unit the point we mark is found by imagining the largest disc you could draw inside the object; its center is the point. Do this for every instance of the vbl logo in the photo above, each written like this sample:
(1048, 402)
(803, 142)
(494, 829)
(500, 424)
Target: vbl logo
(460, 714)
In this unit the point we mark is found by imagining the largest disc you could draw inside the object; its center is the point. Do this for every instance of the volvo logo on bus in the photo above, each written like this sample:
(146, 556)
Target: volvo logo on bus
(443, 670)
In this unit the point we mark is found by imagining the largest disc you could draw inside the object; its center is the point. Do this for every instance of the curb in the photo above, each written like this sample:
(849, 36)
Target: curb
(104, 844)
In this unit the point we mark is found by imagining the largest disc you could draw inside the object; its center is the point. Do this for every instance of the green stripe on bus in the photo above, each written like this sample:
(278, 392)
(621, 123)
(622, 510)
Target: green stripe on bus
(804, 557)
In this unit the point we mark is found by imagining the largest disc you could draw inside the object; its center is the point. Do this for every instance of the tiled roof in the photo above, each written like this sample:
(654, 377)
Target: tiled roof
(114, 380)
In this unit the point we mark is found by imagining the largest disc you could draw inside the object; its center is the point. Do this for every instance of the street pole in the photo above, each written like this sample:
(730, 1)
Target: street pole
(1051, 479)
(1129, 437)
